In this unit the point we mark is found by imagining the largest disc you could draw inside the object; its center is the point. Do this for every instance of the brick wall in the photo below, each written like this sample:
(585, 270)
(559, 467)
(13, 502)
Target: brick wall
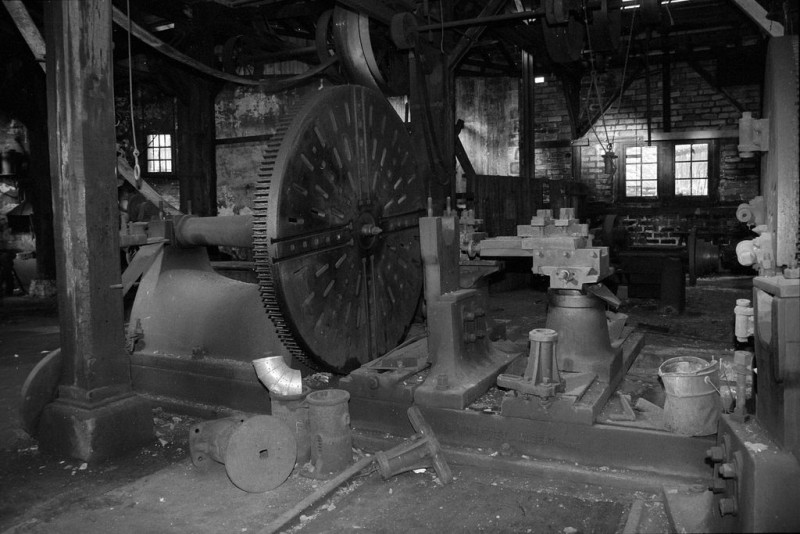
(696, 105)
(671, 229)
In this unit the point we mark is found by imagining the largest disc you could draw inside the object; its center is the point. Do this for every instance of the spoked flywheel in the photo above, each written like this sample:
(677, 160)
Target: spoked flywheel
(336, 231)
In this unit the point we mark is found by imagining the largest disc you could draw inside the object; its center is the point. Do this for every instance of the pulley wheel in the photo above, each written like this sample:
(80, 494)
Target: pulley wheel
(564, 42)
(336, 236)
(260, 454)
(604, 29)
(367, 54)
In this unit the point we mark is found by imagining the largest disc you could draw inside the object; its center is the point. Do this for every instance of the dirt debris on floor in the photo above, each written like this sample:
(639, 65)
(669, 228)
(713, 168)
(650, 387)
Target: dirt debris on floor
(157, 489)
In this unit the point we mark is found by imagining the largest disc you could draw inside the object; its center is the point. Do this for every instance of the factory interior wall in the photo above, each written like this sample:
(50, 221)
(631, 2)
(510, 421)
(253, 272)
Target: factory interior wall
(246, 118)
(696, 106)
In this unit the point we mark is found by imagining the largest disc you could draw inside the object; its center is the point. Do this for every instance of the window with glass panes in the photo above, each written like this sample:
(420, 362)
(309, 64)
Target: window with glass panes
(641, 171)
(159, 153)
(691, 169)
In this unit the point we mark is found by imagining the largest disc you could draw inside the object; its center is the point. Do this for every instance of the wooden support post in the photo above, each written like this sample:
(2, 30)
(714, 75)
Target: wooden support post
(710, 80)
(571, 87)
(648, 90)
(40, 191)
(780, 178)
(666, 87)
(433, 119)
(96, 415)
(527, 140)
(196, 139)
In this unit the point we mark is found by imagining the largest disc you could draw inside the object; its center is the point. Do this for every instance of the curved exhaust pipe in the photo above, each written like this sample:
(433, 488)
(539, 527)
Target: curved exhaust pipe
(278, 377)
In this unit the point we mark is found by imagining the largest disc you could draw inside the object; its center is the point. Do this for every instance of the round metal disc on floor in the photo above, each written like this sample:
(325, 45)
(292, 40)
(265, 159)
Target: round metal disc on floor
(39, 390)
(336, 236)
(261, 454)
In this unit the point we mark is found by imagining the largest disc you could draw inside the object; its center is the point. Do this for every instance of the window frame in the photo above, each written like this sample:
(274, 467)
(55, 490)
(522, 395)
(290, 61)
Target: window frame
(641, 164)
(148, 148)
(666, 172)
(691, 161)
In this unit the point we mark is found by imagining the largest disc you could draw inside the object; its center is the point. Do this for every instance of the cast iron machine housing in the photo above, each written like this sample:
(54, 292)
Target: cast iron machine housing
(336, 245)
(593, 351)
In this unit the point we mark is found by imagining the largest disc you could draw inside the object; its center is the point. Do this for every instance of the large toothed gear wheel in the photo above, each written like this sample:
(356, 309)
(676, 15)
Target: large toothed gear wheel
(336, 231)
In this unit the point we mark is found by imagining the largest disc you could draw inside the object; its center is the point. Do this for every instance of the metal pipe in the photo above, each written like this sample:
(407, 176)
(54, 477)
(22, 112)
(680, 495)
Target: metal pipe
(481, 21)
(231, 231)
(278, 377)
(292, 513)
(505, 17)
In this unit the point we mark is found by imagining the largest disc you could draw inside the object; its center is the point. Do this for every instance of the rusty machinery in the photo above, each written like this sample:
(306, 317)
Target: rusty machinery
(335, 234)
(343, 248)
(340, 250)
(756, 460)
(336, 245)
(593, 348)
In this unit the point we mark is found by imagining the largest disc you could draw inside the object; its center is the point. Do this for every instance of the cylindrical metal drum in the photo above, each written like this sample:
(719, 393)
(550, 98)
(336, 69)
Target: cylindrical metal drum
(293, 410)
(331, 438)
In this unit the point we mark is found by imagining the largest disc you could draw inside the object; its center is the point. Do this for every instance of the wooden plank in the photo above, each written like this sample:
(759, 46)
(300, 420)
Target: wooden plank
(758, 14)
(503, 202)
(243, 139)
(28, 29)
(472, 35)
(527, 129)
(713, 83)
(144, 188)
(142, 261)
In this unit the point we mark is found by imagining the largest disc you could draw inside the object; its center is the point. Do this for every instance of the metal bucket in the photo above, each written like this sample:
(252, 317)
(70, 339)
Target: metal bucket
(692, 404)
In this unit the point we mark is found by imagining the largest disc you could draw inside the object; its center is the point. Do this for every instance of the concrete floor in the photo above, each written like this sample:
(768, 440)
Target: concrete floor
(157, 489)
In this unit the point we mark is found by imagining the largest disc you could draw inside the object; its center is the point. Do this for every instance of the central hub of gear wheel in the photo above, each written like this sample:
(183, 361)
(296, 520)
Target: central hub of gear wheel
(336, 235)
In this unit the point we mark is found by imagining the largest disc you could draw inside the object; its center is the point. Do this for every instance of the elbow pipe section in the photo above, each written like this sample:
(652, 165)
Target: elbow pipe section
(278, 377)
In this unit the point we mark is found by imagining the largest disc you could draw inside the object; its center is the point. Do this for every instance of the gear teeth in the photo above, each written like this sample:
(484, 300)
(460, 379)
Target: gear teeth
(262, 241)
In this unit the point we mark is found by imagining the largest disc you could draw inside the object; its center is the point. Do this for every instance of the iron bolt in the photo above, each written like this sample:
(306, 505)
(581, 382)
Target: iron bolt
(727, 470)
(370, 229)
(718, 486)
(716, 454)
(727, 506)
(442, 382)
